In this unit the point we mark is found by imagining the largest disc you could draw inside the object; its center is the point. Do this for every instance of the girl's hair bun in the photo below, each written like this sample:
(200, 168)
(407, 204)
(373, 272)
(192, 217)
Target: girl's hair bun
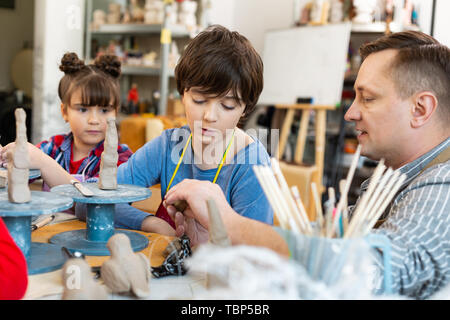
(70, 63)
(109, 64)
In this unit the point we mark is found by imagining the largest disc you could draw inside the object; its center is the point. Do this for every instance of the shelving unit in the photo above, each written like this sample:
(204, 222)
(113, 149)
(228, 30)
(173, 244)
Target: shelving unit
(128, 31)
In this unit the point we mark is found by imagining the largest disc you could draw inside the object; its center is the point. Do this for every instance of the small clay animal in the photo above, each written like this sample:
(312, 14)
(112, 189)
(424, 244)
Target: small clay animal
(126, 271)
(79, 283)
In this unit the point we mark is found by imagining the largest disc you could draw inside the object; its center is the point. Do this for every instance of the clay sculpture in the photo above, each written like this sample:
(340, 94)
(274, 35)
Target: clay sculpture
(126, 271)
(218, 236)
(19, 163)
(108, 165)
(217, 233)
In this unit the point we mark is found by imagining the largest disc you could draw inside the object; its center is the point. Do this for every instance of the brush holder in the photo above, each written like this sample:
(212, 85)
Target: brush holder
(330, 259)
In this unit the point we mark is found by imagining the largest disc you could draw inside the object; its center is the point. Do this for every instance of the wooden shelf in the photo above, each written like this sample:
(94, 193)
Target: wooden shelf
(380, 27)
(135, 29)
(142, 70)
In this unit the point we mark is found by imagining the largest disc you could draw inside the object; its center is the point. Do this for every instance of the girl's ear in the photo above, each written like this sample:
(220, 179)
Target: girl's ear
(64, 112)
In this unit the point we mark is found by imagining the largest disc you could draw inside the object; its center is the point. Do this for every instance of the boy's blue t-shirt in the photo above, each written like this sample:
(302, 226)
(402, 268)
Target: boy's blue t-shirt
(156, 161)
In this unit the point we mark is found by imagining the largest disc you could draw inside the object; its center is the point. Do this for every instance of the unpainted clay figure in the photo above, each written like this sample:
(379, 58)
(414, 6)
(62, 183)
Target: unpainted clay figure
(19, 163)
(79, 283)
(218, 236)
(108, 165)
(126, 271)
(217, 233)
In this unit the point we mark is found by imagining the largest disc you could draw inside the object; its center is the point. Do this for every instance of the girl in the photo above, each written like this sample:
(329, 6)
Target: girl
(89, 94)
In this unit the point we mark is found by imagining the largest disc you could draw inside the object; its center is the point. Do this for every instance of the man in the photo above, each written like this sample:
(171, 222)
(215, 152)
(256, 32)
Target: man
(401, 113)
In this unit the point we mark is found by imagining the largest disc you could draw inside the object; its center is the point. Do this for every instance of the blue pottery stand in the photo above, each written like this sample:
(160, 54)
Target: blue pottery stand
(100, 218)
(33, 173)
(41, 257)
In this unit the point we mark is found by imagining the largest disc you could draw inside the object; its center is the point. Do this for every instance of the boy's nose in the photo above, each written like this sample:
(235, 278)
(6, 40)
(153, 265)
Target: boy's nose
(210, 113)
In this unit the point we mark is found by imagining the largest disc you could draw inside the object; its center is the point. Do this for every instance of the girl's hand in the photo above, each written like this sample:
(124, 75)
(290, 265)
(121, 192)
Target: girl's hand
(36, 155)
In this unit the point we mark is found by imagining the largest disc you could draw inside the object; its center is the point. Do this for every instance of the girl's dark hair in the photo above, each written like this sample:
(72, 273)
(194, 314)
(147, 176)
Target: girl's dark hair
(218, 60)
(98, 82)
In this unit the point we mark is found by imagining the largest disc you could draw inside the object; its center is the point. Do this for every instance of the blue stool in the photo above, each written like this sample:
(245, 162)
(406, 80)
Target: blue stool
(41, 257)
(100, 218)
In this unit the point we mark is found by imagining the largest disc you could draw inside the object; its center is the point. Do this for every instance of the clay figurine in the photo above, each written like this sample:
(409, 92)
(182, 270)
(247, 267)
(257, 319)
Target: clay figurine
(217, 233)
(218, 236)
(79, 283)
(126, 271)
(108, 165)
(19, 163)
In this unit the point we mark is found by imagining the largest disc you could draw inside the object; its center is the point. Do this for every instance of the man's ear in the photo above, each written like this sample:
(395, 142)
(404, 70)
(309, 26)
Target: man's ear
(424, 106)
(64, 112)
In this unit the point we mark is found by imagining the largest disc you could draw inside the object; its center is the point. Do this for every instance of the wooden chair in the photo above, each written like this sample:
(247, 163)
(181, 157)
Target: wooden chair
(298, 173)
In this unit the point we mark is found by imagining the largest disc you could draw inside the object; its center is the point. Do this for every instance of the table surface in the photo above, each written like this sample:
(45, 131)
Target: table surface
(49, 285)
(157, 242)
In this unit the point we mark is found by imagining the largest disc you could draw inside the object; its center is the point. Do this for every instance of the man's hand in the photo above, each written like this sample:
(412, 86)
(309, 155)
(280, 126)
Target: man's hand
(189, 226)
(194, 221)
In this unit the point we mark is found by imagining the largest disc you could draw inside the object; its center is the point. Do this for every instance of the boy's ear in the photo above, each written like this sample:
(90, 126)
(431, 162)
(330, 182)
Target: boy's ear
(64, 112)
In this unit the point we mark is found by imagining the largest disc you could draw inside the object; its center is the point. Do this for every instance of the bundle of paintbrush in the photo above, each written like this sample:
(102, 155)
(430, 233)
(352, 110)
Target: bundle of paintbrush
(333, 221)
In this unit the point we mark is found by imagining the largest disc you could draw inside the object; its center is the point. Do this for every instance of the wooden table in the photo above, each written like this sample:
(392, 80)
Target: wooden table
(49, 285)
(157, 242)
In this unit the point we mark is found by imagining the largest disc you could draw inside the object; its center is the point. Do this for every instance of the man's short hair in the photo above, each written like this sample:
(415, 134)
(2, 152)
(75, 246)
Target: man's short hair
(218, 60)
(422, 64)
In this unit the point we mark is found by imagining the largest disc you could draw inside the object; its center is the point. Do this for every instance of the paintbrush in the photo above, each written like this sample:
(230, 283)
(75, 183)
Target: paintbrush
(43, 222)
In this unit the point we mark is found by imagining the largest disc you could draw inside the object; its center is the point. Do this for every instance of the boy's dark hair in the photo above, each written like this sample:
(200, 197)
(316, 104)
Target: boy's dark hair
(422, 63)
(99, 82)
(218, 60)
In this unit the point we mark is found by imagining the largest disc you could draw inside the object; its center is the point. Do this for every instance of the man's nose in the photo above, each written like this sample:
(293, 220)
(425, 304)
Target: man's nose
(353, 113)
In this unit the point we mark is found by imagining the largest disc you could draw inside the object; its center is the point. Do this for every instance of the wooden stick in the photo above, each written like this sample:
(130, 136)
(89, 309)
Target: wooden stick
(284, 223)
(372, 197)
(348, 182)
(318, 203)
(387, 200)
(298, 200)
(378, 191)
(281, 195)
(330, 209)
(359, 211)
(345, 205)
(299, 215)
(390, 184)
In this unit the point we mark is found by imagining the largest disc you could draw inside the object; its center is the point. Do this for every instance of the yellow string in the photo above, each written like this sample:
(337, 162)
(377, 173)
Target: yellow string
(223, 158)
(179, 162)
(218, 168)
